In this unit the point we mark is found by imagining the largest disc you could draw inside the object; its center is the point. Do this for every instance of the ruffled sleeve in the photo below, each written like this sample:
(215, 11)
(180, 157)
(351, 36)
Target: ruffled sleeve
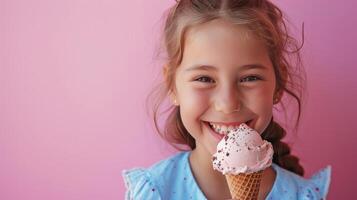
(318, 185)
(139, 185)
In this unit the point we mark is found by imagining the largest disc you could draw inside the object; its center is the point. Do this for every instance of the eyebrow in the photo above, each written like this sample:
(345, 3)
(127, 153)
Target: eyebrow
(210, 67)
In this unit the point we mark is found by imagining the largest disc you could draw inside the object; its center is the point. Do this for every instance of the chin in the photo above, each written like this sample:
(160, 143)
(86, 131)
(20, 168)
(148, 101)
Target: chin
(211, 149)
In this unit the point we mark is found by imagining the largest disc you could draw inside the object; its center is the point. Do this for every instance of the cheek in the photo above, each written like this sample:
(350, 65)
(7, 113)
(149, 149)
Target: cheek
(194, 99)
(261, 103)
(193, 104)
(259, 98)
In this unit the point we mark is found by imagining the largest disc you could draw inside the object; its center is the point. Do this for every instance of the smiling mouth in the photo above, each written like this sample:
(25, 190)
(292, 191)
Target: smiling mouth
(249, 123)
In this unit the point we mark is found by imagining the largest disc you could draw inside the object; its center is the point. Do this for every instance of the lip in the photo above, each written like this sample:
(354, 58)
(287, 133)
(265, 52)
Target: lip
(227, 124)
(219, 137)
(249, 122)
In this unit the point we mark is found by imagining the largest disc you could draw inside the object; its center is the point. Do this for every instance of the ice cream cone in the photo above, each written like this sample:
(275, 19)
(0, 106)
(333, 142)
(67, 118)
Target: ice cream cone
(242, 156)
(244, 186)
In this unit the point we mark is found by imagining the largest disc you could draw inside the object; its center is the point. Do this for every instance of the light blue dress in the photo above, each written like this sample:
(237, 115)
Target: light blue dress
(172, 179)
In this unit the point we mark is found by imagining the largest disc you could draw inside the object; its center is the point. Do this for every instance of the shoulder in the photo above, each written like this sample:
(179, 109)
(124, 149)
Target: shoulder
(297, 187)
(155, 181)
(139, 185)
(175, 163)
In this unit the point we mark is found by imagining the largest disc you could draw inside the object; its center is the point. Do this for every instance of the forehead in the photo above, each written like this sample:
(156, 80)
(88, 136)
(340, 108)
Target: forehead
(221, 43)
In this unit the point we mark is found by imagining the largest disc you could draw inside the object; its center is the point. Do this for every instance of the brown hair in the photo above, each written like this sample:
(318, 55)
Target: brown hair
(267, 22)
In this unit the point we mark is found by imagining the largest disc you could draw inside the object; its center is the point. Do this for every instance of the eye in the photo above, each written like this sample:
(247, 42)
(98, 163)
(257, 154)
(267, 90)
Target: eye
(203, 79)
(206, 79)
(252, 78)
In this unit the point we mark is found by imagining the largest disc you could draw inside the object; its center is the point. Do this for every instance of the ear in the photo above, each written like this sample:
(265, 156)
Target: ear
(277, 96)
(173, 99)
(165, 70)
(171, 93)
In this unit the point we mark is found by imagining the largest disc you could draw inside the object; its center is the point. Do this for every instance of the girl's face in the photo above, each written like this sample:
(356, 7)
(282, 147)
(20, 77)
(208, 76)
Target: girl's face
(223, 69)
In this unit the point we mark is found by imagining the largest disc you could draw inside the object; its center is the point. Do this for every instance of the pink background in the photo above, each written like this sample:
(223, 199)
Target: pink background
(74, 75)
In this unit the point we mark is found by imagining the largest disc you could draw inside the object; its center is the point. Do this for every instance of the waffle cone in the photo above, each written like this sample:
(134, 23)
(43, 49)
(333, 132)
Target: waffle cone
(244, 186)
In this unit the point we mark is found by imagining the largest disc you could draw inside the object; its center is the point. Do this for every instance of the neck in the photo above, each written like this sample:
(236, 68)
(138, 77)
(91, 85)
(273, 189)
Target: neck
(203, 159)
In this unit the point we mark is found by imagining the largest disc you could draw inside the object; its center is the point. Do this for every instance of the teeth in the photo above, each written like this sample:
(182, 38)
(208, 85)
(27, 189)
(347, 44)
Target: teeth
(223, 129)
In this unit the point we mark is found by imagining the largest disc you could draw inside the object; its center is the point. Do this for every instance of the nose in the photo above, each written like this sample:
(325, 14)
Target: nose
(228, 100)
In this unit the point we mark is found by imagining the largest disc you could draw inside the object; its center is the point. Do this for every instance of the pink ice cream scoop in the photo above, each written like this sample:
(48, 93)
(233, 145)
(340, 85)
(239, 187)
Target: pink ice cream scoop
(242, 150)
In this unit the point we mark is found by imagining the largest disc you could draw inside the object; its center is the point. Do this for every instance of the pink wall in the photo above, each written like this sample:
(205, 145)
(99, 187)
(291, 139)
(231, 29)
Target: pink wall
(74, 75)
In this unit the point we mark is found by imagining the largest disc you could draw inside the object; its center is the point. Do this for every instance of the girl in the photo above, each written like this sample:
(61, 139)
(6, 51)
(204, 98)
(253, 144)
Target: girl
(227, 64)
